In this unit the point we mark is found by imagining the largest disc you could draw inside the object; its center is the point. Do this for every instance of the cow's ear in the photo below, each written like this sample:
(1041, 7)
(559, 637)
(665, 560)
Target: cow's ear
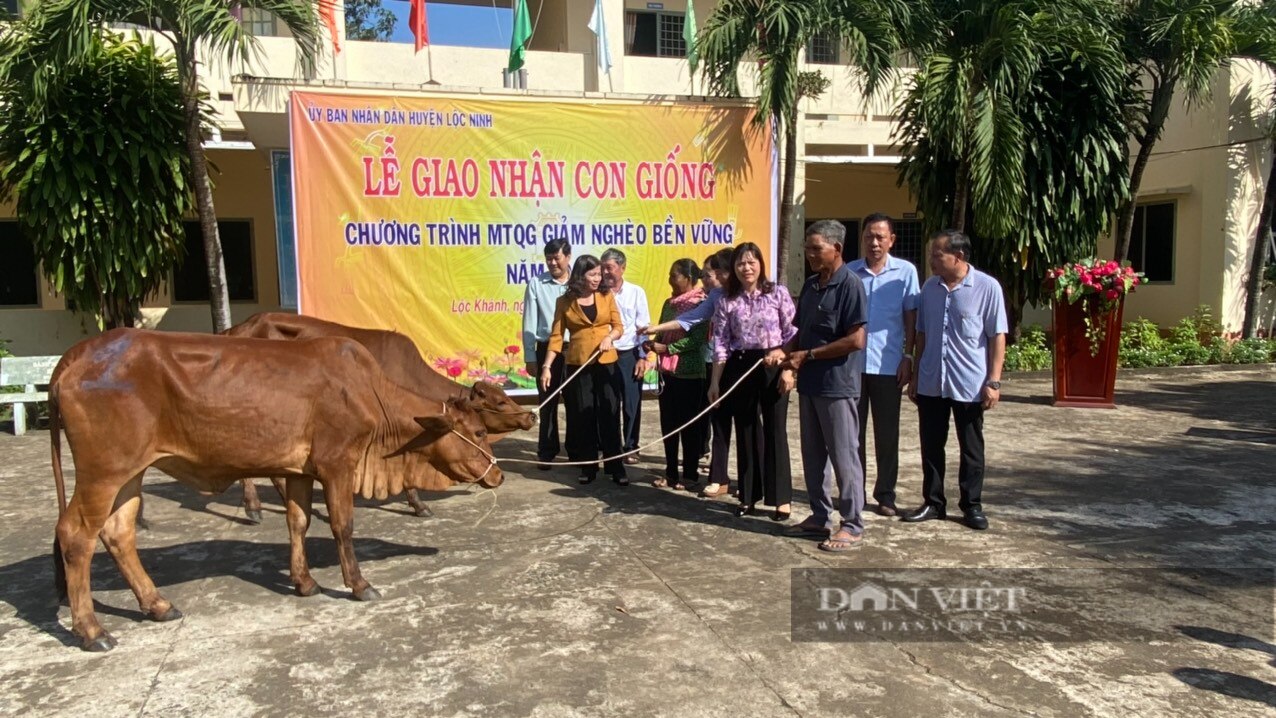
(435, 426)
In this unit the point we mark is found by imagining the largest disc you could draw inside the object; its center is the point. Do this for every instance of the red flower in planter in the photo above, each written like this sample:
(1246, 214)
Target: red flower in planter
(1098, 284)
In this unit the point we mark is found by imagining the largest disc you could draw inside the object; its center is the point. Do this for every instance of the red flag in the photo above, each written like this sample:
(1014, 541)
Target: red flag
(418, 24)
(328, 13)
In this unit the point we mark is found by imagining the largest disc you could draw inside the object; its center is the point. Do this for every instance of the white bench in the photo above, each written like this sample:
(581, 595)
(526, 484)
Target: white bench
(28, 373)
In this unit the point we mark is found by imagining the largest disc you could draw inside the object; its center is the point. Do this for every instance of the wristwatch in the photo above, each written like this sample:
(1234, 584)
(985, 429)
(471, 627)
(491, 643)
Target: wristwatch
(993, 384)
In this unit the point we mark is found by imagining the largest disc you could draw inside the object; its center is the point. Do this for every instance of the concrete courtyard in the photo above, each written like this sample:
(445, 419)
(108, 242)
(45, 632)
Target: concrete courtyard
(544, 598)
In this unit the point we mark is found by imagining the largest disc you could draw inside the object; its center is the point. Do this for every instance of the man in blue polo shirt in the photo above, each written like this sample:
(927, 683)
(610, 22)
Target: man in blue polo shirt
(886, 364)
(961, 339)
(830, 320)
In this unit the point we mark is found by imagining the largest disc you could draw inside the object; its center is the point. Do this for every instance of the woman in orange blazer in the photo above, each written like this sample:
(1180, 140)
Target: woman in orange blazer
(590, 316)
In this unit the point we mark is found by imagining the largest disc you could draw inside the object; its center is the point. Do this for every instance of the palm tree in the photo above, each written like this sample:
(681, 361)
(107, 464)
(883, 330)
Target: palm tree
(1012, 129)
(975, 62)
(1172, 44)
(1258, 40)
(774, 33)
(188, 25)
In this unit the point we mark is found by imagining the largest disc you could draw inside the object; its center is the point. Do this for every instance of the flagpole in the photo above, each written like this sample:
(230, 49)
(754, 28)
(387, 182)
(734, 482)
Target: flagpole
(429, 63)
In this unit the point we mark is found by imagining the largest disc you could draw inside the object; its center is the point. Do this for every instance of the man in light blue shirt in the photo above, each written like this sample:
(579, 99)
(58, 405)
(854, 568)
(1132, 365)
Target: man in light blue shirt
(539, 302)
(961, 339)
(885, 365)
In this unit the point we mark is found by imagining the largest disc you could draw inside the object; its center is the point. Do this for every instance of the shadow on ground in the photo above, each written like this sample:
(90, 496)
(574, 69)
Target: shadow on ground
(28, 585)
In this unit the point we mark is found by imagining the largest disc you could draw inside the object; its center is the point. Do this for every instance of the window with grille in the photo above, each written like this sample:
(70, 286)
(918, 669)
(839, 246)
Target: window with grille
(259, 23)
(190, 281)
(19, 286)
(910, 242)
(655, 34)
(1152, 241)
(823, 49)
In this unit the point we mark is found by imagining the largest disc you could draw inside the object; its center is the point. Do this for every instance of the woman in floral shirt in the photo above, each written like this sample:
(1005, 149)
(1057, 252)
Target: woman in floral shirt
(753, 320)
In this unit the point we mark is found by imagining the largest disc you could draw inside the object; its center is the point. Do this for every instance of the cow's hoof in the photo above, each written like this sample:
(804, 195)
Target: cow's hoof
(305, 590)
(423, 511)
(172, 614)
(253, 515)
(101, 644)
(368, 594)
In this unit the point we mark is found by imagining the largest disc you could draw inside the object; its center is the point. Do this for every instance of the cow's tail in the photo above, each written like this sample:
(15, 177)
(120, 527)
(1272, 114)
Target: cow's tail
(55, 441)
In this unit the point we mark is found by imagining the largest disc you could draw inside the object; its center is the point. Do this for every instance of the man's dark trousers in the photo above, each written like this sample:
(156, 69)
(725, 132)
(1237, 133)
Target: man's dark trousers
(933, 414)
(548, 444)
(880, 394)
(629, 390)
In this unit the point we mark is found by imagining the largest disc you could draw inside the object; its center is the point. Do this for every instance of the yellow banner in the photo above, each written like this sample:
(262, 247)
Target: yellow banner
(429, 215)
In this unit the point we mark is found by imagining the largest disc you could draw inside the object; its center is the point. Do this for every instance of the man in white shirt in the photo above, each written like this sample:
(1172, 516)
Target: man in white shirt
(634, 362)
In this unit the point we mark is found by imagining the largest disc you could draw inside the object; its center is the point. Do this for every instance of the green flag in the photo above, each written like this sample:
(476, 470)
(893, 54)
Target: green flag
(522, 33)
(689, 36)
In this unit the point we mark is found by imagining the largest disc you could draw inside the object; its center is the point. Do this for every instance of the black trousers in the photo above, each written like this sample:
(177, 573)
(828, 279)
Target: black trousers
(759, 412)
(593, 418)
(547, 443)
(706, 423)
(681, 399)
(880, 394)
(629, 391)
(933, 414)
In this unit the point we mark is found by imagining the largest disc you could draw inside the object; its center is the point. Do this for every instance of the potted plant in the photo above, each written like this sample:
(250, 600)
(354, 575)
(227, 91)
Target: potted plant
(1089, 297)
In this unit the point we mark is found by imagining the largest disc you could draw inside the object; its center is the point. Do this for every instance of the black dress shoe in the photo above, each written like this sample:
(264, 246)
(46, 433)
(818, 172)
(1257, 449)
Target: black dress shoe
(586, 478)
(925, 513)
(976, 520)
(743, 510)
(620, 480)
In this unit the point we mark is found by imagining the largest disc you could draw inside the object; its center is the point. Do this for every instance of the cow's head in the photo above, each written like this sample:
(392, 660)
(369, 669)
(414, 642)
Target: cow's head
(455, 442)
(499, 412)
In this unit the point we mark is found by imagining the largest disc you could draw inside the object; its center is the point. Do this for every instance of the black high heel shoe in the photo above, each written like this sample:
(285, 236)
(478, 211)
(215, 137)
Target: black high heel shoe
(779, 515)
(743, 510)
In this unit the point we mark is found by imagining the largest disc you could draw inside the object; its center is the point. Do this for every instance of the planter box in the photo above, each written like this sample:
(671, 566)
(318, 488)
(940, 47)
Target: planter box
(1080, 378)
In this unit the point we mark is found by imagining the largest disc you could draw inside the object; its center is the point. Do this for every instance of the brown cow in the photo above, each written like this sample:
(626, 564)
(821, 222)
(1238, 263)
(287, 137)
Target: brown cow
(403, 365)
(212, 410)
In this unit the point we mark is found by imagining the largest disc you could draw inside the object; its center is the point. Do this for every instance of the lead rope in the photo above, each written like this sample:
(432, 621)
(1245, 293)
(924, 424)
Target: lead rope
(590, 360)
(494, 461)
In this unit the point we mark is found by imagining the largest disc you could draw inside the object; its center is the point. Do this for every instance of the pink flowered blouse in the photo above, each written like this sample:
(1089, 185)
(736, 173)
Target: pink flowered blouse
(753, 321)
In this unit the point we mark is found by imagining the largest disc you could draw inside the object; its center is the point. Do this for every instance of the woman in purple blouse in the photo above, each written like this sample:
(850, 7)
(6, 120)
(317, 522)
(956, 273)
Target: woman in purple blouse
(753, 320)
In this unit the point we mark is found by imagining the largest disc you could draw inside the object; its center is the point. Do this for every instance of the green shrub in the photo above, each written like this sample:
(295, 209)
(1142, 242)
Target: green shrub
(1142, 346)
(1249, 351)
(1218, 349)
(1184, 343)
(1030, 352)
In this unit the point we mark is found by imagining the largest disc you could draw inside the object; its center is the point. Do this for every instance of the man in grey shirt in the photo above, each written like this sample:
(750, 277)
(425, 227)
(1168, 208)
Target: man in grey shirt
(539, 302)
(831, 318)
(961, 337)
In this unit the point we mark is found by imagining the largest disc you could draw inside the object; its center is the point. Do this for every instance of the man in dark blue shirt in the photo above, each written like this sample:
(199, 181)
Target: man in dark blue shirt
(831, 315)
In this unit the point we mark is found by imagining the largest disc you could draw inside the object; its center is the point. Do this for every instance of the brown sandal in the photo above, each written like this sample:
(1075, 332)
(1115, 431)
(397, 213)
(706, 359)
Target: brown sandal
(841, 541)
(661, 483)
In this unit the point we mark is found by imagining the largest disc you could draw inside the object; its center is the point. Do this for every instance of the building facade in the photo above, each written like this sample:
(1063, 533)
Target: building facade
(1198, 207)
